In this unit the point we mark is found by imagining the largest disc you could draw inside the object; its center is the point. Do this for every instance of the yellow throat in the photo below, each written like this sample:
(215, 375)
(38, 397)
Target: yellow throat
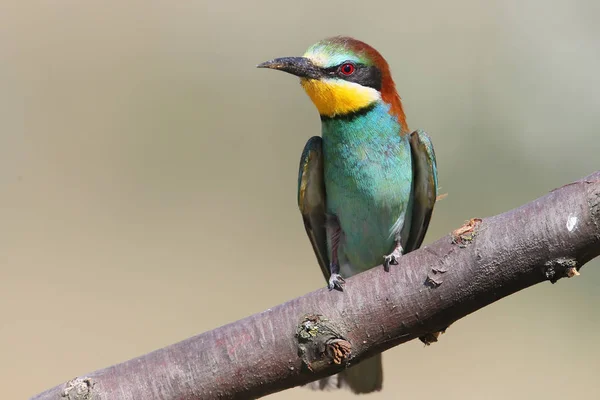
(334, 97)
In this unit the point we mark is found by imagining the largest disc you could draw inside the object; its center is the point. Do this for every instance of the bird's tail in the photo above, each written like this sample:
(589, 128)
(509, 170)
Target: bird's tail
(365, 377)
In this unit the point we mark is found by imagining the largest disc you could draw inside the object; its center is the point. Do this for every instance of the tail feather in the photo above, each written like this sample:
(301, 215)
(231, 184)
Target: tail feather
(365, 377)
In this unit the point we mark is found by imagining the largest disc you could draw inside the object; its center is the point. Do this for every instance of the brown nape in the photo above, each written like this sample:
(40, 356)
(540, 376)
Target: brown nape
(388, 87)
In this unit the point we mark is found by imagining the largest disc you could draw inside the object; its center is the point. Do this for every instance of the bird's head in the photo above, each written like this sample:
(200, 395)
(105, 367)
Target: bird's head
(343, 76)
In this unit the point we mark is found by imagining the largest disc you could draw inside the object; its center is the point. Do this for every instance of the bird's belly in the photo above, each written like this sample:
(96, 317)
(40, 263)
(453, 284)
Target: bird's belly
(370, 200)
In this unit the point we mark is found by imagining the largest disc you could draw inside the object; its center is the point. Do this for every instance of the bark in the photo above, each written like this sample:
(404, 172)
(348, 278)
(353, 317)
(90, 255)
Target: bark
(325, 331)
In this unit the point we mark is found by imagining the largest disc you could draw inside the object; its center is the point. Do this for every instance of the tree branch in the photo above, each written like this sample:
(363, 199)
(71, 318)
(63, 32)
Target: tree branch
(325, 331)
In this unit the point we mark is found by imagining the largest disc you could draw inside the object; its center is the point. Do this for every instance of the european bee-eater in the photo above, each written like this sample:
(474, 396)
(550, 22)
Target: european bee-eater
(366, 187)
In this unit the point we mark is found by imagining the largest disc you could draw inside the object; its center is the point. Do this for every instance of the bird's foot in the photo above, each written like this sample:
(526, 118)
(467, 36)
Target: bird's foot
(336, 282)
(392, 258)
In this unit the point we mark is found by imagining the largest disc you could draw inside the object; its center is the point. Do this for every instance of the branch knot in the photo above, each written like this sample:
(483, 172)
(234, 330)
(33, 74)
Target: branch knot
(320, 343)
(560, 268)
(79, 389)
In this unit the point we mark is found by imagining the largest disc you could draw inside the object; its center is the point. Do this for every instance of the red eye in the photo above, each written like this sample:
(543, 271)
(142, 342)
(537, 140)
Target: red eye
(347, 69)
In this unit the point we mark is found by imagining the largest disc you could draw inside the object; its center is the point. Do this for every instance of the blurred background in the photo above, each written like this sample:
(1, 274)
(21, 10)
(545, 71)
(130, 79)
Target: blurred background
(148, 177)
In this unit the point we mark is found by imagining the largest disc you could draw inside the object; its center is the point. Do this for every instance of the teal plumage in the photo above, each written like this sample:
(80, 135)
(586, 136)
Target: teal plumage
(368, 181)
(366, 187)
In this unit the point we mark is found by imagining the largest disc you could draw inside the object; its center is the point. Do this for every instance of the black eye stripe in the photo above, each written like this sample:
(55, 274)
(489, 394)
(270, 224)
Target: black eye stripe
(336, 68)
(364, 75)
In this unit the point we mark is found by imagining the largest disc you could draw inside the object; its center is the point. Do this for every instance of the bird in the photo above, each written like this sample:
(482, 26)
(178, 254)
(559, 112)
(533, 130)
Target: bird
(367, 186)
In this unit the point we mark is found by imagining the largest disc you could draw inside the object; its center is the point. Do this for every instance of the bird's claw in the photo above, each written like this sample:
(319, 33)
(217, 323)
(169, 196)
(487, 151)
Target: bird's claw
(392, 259)
(336, 282)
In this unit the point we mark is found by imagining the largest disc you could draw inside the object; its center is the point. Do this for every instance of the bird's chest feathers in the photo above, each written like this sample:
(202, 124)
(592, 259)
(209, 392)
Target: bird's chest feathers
(368, 181)
(366, 159)
(367, 171)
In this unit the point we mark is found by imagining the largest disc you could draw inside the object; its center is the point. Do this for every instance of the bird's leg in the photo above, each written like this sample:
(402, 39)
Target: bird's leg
(335, 232)
(393, 257)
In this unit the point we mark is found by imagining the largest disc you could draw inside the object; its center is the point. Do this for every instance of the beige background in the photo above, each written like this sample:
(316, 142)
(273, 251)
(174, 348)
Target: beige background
(148, 176)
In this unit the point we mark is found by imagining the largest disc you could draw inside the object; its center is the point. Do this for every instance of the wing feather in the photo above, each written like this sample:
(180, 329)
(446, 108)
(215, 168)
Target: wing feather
(311, 199)
(425, 185)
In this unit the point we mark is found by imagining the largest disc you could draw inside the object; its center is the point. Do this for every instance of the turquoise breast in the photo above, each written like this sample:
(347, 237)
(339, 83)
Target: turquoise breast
(368, 180)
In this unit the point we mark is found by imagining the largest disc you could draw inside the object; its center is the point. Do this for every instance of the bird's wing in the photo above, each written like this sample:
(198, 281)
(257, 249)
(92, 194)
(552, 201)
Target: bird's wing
(424, 187)
(311, 199)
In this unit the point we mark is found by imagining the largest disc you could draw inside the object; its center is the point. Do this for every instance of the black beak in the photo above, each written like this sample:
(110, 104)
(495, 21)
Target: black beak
(299, 66)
